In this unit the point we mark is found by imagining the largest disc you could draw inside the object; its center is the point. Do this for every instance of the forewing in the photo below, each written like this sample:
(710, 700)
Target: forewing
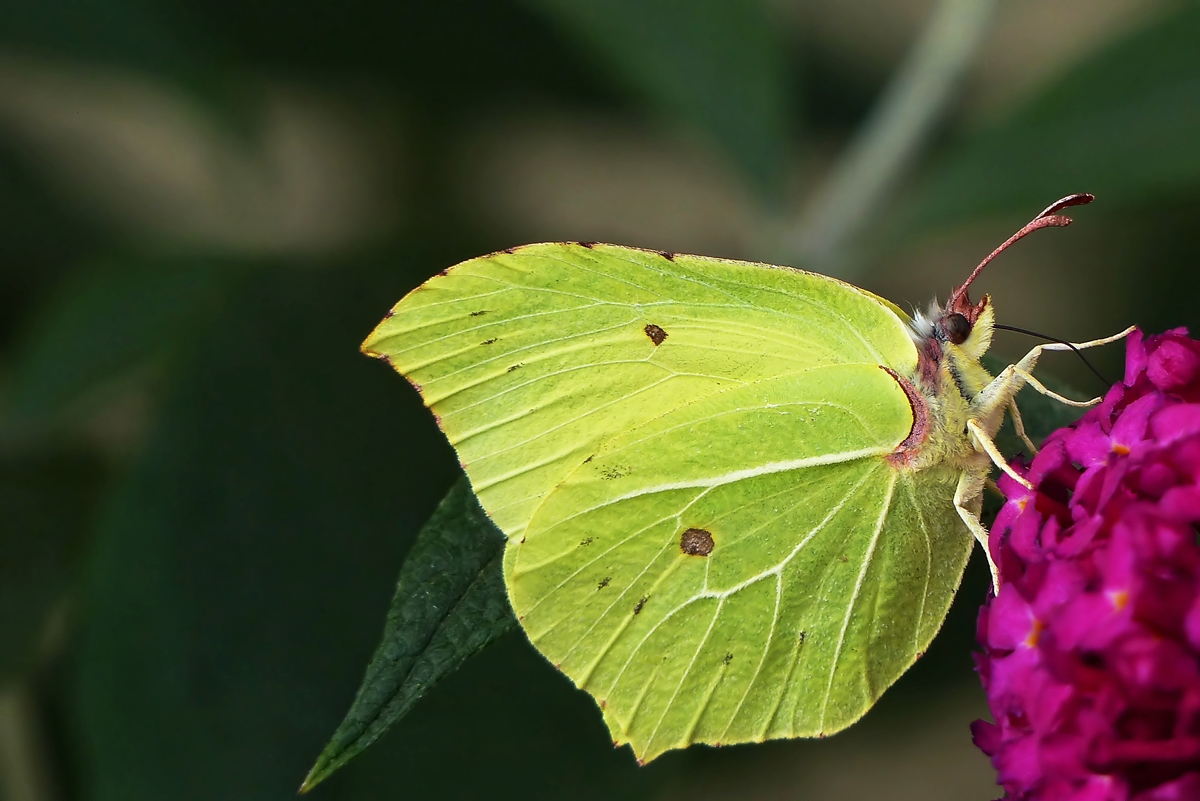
(532, 359)
(749, 566)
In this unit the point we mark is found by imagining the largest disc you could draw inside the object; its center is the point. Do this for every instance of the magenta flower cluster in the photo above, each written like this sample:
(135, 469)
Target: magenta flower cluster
(1091, 657)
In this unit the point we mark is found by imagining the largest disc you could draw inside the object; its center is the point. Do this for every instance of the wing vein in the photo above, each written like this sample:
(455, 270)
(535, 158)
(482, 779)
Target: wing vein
(686, 672)
(862, 574)
(912, 496)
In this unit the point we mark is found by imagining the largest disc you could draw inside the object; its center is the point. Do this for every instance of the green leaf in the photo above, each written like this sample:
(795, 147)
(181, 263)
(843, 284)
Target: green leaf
(1123, 125)
(450, 603)
(106, 318)
(718, 64)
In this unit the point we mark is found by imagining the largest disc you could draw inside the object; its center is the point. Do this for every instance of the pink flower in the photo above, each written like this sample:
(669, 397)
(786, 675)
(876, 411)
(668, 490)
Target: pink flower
(1091, 657)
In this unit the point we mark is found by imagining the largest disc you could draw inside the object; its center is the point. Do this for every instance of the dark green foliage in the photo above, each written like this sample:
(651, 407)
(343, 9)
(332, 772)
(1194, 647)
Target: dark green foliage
(105, 319)
(449, 604)
(45, 501)
(237, 579)
(162, 41)
(234, 568)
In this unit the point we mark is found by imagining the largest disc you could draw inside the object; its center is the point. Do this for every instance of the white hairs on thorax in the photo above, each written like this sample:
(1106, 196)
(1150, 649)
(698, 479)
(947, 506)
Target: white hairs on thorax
(921, 327)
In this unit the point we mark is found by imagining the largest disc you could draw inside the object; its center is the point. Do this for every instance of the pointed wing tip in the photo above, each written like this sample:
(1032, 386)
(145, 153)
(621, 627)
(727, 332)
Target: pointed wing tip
(366, 350)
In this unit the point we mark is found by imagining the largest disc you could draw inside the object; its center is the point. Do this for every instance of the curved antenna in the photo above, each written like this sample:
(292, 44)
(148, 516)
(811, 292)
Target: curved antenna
(1049, 218)
(1077, 199)
(1076, 350)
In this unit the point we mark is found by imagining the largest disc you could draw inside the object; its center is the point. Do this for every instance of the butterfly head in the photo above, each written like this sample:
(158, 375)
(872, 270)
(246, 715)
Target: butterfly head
(966, 327)
(953, 337)
(969, 326)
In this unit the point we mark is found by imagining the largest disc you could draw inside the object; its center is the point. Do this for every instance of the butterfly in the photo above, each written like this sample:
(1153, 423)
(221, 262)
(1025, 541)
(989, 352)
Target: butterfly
(738, 498)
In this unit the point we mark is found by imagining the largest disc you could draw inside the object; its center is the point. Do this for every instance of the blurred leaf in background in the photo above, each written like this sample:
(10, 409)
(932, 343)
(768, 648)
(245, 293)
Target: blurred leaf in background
(717, 64)
(1122, 125)
(105, 319)
(45, 498)
(154, 38)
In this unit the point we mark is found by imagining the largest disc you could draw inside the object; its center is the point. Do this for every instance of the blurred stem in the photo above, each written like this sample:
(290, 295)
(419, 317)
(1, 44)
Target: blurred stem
(891, 136)
(24, 767)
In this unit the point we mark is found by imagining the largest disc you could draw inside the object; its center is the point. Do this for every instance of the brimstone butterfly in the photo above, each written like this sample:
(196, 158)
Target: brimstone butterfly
(738, 498)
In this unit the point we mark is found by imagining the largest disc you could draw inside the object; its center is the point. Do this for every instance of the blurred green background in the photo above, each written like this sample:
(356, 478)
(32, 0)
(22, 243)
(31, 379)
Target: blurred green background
(206, 493)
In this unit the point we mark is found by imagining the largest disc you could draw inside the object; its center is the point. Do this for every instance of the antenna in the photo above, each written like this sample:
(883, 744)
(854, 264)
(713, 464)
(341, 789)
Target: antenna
(1049, 218)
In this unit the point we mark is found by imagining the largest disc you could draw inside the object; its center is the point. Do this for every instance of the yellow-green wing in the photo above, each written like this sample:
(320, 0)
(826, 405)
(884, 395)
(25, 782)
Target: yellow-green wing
(690, 459)
(748, 566)
(532, 359)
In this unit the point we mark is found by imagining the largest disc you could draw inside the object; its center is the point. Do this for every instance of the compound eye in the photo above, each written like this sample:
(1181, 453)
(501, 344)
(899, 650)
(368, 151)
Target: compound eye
(958, 328)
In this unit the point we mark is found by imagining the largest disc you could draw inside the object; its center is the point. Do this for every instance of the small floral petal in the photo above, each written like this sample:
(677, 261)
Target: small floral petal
(1173, 365)
(1176, 422)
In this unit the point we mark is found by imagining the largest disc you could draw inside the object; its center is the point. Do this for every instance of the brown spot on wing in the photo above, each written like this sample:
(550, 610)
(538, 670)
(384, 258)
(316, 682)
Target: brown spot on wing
(656, 334)
(907, 450)
(696, 542)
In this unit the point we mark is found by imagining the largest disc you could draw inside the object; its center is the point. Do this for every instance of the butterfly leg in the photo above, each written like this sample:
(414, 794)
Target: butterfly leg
(1049, 393)
(989, 447)
(989, 405)
(1024, 368)
(1091, 343)
(968, 501)
(1019, 425)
